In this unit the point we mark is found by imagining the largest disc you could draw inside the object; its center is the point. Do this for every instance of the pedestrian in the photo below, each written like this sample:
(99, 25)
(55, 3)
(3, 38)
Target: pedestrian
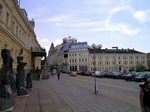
(58, 73)
(29, 80)
(145, 96)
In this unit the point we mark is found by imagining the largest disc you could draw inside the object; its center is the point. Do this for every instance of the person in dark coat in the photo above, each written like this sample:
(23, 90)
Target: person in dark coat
(29, 80)
(58, 73)
(145, 97)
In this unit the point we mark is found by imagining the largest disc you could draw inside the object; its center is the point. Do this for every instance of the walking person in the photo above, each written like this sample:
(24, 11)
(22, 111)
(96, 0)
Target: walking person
(145, 96)
(58, 73)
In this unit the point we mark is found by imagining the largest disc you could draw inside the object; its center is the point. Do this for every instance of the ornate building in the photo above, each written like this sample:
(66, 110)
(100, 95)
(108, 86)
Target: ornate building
(78, 56)
(17, 32)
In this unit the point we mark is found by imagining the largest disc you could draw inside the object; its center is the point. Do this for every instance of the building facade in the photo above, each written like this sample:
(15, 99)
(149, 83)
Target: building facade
(116, 59)
(78, 56)
(17, 32)
(148, 60)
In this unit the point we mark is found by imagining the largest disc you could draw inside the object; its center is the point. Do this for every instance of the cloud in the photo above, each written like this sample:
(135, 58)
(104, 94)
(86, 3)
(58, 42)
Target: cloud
(123, 28)
(44, 40)
(114, 27)
(120, 27)
(57, 42)
(46, 43)
(38, 12)
(58, 18)
(118, 9)
(99, 1)
(142, 16)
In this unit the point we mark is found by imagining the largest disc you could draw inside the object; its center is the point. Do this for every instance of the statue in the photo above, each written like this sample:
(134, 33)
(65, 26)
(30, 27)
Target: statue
(20, 76)
(7, 101)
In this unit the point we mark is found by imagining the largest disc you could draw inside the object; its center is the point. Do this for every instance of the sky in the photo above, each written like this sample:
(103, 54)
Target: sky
(122, 23)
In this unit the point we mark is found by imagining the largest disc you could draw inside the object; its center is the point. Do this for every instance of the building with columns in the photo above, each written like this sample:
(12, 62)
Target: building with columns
(17, 32)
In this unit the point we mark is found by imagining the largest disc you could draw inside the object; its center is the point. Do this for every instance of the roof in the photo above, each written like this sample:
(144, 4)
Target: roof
(114, 51)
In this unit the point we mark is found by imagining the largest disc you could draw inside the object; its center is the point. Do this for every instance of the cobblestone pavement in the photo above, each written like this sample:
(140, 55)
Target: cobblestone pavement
(80, 99)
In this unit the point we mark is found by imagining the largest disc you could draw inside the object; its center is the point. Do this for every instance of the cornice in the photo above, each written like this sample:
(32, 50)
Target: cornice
(12, 37)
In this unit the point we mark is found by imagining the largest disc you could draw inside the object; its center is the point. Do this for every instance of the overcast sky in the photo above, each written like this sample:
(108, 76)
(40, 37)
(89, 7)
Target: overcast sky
(122, 23)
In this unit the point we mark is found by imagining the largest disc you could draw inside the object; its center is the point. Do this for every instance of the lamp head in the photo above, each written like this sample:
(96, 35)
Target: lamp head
(99, 46)
(94, 45)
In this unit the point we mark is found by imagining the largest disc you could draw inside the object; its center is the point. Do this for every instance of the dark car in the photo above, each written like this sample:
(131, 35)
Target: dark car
(82, 73)
(131, 76)
(88, 73)
(142, 77)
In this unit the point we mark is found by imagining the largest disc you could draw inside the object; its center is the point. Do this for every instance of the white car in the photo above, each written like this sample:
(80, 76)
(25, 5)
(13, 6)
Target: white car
(97, 74)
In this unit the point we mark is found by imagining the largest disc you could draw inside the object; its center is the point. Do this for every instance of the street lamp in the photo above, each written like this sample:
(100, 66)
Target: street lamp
(115, 66)
(94, 46)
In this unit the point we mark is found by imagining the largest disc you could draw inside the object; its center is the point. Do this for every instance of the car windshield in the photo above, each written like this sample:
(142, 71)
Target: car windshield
(141, 75)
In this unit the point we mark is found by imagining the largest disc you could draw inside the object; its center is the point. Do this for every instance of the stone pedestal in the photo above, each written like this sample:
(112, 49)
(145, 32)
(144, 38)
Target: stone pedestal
(7, 100)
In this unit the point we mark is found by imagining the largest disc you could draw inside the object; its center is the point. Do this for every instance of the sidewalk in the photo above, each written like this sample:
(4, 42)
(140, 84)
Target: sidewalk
(69, 94)
(40, 100)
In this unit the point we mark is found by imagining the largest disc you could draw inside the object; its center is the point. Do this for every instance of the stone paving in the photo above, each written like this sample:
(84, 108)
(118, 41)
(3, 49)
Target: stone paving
(65, 96)
(82, 100)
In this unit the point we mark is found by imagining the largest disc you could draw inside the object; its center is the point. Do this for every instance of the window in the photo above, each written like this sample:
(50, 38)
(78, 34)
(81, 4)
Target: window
(7, 19)
(85, 59)
(13, 26)
(131, 57)
(1, 12)
(20, 34)
(82, 60)
(119, 62)
(75, 60)
(79, 60)
(70, 60)
(17, 31)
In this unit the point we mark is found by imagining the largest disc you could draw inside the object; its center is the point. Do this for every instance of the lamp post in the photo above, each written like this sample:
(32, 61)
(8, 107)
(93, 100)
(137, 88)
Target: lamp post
(115, 47)
(94, 47)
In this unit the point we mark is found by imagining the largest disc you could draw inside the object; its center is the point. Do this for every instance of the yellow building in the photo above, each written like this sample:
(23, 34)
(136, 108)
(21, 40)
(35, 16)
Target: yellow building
(17, 32)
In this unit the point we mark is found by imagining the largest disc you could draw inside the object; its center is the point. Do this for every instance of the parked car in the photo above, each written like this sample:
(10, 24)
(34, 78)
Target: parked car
(142, 77)
(131, 76)
(89, 73)
(116, 75)
(73, 74)
(82, 73)
(97, 74)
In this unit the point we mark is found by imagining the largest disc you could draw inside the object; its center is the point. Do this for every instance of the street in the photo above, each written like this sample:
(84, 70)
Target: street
(114, 95)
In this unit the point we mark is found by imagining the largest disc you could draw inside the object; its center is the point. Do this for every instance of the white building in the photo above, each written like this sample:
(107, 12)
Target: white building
(73, 56)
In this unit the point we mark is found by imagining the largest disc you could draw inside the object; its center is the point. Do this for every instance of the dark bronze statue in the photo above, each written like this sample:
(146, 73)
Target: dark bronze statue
(7, 101)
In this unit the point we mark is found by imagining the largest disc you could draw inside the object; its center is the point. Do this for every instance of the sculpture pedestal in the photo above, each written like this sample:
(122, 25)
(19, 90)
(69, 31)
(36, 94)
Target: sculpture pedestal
(7, 101)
